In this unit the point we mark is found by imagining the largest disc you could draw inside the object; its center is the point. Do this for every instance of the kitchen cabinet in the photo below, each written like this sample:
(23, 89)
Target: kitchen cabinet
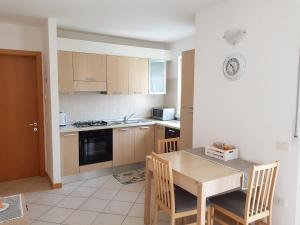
(159, 135)
(65, 72)
(69, 149)
(123, 146)
(157, 76)
(89, 72)
(143, 142)
(138, 76)
(117, 75)
(187, 99)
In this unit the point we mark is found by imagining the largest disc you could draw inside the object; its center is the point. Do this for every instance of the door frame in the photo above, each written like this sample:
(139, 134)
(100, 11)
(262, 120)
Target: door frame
(40, 100)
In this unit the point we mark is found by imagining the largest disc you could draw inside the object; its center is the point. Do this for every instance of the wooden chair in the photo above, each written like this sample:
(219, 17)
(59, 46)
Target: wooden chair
(168, 145)
(256, 204)
(176, 202)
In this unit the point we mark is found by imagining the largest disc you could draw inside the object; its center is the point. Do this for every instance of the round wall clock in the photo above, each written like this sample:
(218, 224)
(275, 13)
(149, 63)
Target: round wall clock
(234, 66)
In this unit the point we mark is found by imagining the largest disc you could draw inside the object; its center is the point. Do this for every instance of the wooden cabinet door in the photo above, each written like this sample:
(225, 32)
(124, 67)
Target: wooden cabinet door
(186, 128)
(123, 146)
(187, 79)
(117, 75)
(138, 76)
(143, 142)
(89, 67)
(159, 135)
(69, 150)
(65, 72)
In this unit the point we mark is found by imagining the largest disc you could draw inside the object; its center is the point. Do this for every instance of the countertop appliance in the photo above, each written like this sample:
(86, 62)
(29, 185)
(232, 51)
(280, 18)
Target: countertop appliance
(171, 133)
(62, 119)
(163, 113)
(95, 146)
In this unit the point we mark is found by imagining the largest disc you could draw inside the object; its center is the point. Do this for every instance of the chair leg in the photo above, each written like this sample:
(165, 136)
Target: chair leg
(208, 216)
(212, 216)
(269, 220)
(173, 220)
(155, 219)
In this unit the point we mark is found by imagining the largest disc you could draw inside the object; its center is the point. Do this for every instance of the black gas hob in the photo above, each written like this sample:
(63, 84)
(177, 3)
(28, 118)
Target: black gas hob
(90, 123)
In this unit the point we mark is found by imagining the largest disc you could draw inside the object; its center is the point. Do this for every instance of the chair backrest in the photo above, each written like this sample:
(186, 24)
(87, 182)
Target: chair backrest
(163, 178)
(168, 145)
(261, 189)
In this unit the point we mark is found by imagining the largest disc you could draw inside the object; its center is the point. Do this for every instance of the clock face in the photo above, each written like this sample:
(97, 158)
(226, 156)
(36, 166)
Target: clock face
(234, 66)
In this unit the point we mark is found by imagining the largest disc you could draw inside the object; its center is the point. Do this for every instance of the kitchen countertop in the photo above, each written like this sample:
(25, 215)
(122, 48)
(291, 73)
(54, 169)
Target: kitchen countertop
(172, 124)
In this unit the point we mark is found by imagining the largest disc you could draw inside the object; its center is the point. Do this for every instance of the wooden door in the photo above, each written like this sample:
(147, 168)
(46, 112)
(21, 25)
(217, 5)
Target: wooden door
(69, 147)
(89, 67)
(143, 142)
(186, 128)
(187, 79)
(123, 146)
(138, 76)
(21, 115)
(117, 75)
(65, 72)
(159, 135)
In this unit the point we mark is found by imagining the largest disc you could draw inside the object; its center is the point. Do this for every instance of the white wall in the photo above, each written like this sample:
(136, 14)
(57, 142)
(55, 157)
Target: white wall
(21, 37)
(94, 106)
(258, 110)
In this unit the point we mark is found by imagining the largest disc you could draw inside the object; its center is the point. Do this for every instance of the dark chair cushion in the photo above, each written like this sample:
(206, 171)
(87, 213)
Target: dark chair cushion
(185, 201)
(234, 202)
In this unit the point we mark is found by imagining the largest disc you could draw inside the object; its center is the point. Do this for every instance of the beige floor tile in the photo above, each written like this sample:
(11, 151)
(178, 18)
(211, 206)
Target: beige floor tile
(161, 222)
(65, 190)
(141, 198)
(71, 202)
(109, 219)
(83, 192)
(30, 197)
(96, 205)
(136, 187)
(49, 199)
(164, 216)
(76, 184)
(104, 193)
(42, 223)
(113, 184)
(56, 215)
(96, 183)
(133, 221)
(81, 218)
(35, 211)
(126, 196)
(137, 210)
(117, 207)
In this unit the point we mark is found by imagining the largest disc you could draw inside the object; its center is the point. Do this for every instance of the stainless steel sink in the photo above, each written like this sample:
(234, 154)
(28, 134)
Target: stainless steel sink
(136, 121)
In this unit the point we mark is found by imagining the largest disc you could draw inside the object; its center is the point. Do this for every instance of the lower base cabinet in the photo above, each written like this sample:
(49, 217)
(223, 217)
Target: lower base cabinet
(143, 142)
(123, 146)
(159, 135)
(69, 146)
(132, 144)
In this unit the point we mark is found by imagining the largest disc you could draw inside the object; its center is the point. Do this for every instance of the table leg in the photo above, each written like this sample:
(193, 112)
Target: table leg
(147, 206)
(201, 205)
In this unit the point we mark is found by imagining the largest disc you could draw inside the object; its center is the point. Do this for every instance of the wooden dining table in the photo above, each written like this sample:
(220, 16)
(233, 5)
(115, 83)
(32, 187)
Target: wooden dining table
(198, 175)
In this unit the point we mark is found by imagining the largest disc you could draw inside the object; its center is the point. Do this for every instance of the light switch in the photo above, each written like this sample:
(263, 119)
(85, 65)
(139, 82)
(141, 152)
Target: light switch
(282, 145)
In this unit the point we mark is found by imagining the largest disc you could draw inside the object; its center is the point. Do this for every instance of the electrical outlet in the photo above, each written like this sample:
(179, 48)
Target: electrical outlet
(280, 201)
(282, 145)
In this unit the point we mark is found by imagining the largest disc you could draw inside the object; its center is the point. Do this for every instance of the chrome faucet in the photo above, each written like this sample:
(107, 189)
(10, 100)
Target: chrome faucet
(126, 118)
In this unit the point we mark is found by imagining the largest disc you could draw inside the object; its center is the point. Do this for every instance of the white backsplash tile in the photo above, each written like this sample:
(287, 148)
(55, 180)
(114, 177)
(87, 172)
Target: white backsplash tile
(92, 106)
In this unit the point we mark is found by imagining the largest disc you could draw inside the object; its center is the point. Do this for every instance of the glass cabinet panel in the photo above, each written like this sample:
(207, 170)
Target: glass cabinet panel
(157, 76)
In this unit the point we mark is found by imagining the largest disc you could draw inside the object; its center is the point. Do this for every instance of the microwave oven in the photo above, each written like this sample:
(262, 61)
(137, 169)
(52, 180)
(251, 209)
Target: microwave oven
(163, 113)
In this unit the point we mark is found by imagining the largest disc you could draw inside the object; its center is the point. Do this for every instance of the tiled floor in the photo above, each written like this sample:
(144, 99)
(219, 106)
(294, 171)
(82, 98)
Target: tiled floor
(97, 201)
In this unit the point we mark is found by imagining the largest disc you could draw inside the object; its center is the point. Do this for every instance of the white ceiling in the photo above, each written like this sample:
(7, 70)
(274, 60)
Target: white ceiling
(152, 20)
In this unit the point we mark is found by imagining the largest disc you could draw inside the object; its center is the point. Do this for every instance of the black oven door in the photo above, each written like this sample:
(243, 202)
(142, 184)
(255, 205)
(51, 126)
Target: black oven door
(95, 146)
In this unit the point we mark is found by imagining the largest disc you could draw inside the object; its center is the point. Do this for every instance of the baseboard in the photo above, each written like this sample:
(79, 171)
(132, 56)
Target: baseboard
(53, 185)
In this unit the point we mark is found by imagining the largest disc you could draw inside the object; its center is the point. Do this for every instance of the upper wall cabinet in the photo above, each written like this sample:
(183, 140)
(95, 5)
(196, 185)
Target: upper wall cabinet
(157, 76)
(65, 72)
(117, 75)
(89, 72)
(138, 76)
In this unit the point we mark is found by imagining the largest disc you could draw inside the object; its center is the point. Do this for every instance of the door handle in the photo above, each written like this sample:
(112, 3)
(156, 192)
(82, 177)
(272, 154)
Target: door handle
(144, 127)
(68, 135)
(124, 129)
(33, 124)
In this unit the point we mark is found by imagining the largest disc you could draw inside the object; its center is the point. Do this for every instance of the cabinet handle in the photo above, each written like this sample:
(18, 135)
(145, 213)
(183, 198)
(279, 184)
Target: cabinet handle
(69, 135)
(124, 129)
(144, 127)
(90, 79)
